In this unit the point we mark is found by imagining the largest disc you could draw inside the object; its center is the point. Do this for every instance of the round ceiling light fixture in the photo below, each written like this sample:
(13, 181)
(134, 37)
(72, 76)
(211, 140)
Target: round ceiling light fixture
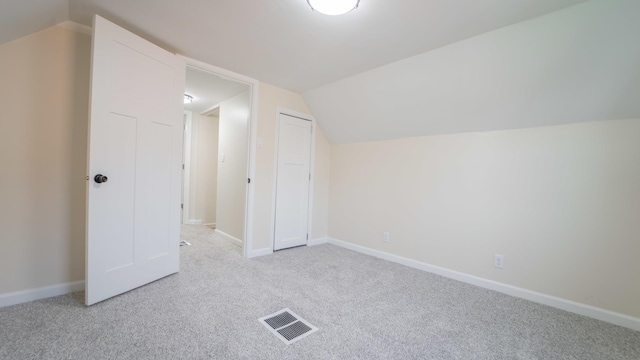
(188, 99)
(333, 7)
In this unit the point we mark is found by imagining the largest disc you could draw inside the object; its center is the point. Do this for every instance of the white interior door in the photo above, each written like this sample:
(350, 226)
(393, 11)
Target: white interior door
(292, 182)
(135, 140)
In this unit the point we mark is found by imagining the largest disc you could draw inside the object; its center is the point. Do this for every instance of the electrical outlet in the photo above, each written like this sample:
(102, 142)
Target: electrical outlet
(498, 261)
(385, 236)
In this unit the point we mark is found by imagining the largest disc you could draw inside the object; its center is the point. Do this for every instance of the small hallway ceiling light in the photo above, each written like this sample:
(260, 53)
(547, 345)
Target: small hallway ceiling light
(333, 7)
(188, 99)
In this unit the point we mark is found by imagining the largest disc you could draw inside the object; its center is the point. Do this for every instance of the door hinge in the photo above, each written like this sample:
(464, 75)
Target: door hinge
(182, 166)
(182, 206)
(307, 237)
(249, 181)
(309, 176)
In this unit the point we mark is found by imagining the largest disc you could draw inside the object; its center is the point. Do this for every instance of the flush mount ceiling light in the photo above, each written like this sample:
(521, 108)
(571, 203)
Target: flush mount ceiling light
(333, 7)
(188, 99)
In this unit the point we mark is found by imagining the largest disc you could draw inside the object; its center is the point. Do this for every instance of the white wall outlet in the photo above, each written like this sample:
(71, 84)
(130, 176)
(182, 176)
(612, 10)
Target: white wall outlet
(385, 236)
(498, 261)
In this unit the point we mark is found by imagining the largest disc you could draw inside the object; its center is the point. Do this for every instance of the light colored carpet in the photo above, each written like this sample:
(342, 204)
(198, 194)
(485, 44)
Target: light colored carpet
(365, 308)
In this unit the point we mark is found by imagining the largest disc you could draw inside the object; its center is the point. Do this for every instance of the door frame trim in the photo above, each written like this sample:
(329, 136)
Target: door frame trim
(186, 172)
(312, 155)
(253, 84)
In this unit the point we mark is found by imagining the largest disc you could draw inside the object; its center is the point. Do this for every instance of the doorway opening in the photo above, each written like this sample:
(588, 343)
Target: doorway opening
(217, 152)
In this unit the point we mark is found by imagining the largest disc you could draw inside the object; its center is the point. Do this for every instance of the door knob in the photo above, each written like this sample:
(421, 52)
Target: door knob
(100, 179)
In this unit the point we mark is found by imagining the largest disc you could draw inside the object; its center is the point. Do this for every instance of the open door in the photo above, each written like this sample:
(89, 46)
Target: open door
(135, 157)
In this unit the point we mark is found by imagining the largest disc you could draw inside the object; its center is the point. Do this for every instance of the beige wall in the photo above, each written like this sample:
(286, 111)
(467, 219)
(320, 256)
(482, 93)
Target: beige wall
(322, 167)
(43, 140)
(270, 99)
(206, 168)
(561, 204)
(232, 172)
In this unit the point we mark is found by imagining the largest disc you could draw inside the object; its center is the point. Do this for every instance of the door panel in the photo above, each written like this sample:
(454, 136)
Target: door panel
(292, 182)
(132, 68)
(118, 165)
(135, 139)
(159, 189)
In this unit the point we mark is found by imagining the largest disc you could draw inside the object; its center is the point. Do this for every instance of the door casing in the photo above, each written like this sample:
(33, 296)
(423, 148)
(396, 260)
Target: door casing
(186, 170)
(285, 111)
(247, 244)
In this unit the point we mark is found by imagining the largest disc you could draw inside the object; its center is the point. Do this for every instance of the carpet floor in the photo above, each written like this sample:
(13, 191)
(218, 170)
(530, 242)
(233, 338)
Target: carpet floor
(365, 308)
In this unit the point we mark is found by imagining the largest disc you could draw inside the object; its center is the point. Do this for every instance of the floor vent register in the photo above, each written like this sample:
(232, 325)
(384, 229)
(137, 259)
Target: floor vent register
(288, 326)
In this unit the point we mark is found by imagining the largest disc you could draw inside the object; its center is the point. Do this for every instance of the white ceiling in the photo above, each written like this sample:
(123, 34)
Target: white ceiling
(574, 65)
(21, 18)
(283, 42)
(395, 68)
(209, 90)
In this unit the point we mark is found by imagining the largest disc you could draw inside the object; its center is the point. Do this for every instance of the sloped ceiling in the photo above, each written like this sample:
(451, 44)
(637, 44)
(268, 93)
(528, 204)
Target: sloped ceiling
(578, 64)
(399, 68)
(283, 42)
(21, 18)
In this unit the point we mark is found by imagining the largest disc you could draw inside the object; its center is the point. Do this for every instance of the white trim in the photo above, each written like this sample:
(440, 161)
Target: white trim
(74, 26)
(23, 296)
(186, 172)
(274, 183)
(253, 138)
(312, 174)
(559, 303)
(228, 237)
(318, 241)
(312, 157)
(261, 252)
(210, 224)
(193, 222)
(298, 114)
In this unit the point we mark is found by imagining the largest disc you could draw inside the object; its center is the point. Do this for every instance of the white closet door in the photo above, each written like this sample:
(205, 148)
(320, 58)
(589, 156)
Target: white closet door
(135, 142)
(292, 182)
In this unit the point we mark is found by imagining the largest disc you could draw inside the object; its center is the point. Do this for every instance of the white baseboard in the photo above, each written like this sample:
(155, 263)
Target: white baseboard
(318, 241)
(261, 252)
(194, 222)
(567, 305)
(210, 224)
(23, 296)
(228, 237)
